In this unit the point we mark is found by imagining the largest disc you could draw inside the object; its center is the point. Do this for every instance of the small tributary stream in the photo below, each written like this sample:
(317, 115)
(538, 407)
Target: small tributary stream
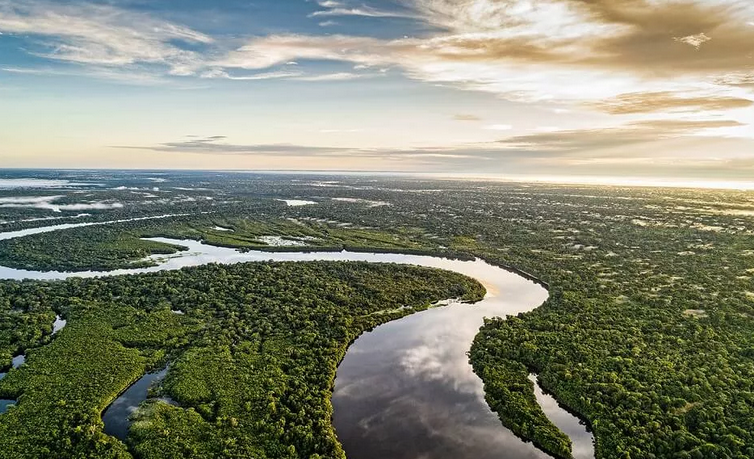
(21, 359)
(406, 389)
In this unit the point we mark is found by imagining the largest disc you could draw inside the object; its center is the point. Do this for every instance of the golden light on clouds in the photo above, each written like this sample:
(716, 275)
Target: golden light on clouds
(623, 77)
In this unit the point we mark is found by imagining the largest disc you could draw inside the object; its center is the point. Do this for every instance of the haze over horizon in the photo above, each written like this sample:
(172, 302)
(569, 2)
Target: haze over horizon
(645, 91)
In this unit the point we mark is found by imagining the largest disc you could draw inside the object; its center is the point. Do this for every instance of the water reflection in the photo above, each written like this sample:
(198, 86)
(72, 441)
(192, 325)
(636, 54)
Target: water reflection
(5, 404)
(19, 360)
(58, 325)
(48, 229)
(405, 390)
(116, 416)
(583, 440)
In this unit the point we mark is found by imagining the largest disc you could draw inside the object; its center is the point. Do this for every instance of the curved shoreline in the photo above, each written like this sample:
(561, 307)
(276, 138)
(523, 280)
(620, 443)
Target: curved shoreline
(199, 253)
(567, 408)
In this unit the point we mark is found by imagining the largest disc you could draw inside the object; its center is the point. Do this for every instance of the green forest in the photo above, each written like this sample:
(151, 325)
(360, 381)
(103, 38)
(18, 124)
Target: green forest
(648, 334)
(252, 357)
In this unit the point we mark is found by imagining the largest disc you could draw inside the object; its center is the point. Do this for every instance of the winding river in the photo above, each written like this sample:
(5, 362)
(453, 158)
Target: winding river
(404, 390)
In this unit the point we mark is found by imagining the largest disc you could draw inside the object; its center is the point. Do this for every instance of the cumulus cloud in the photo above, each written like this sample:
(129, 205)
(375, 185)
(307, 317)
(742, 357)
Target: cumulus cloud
(685, 61)
(581, 55)
(555, 50)
(569, 51)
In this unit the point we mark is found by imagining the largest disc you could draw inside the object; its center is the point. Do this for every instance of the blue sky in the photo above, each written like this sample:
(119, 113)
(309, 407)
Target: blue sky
(610, 88)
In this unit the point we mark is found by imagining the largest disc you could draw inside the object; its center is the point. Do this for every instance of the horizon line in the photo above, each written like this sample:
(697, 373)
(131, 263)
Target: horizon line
(599, 181)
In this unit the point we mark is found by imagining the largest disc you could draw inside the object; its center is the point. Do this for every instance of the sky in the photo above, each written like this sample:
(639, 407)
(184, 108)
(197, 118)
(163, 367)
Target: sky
(632, 89)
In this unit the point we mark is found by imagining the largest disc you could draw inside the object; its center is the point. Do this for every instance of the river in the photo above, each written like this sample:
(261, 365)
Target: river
(406, 389)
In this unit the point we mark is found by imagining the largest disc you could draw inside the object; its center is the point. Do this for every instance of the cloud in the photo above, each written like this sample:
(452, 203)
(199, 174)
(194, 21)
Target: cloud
(132, 77)
(215, 145)
(332, 8)
(623, 58)
(549, 143)
(364, 11)
(559, 50)
(218, 73)
(266, 52)
(668, 101)
(101, 35)
(523, 65)
(739, 80)
(565, 51)
(339, 76)
(659, 148)
(281, 75)
(694, 40)
(651, 28)
(587, 141)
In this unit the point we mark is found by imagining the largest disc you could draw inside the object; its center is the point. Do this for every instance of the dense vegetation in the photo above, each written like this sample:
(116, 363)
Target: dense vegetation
(509, 393)
(649, 330)
(122, 245)
(253, 356)
(81, 249)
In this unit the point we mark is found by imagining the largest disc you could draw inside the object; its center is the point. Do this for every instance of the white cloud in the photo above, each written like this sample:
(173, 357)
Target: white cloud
(281, 74)
(218, 73)
(427, 60)
(340, 9)
(363, 11)
(549, 51)
(694, 40)
(266, 52)
(340, 76)
(545, 51)
(102, 35)
(105, 73)
(329, 4)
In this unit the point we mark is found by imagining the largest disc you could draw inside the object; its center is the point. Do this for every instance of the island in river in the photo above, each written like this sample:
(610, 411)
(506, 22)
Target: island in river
(647, 333)
(399, 436)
